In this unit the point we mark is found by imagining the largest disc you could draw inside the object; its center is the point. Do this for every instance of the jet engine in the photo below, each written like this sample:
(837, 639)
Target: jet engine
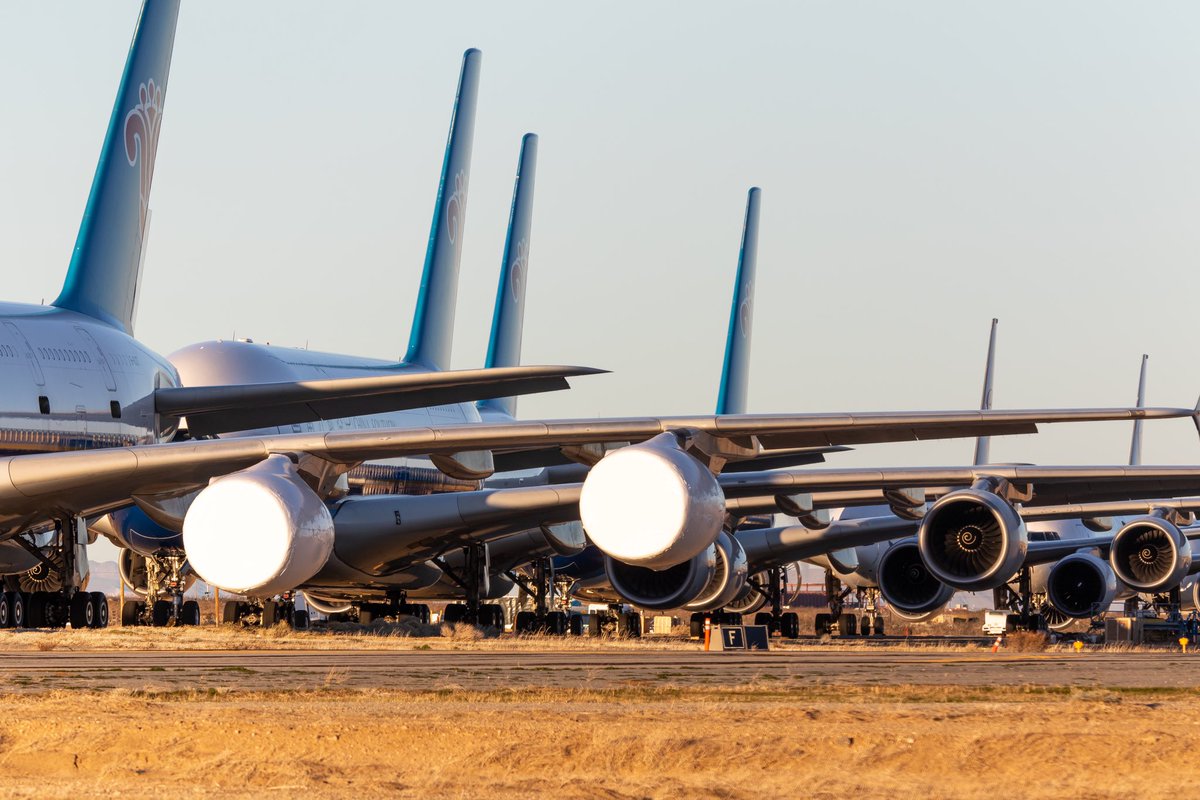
(705, 582)
(912, 592)
(652, 505)
(748, 600)
(1150, 554)
(972, 540)
(1081, 586)
(260, 531)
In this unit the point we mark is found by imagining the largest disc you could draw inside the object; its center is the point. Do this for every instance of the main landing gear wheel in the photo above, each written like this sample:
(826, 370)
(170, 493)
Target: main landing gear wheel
(454, 613)
(231, 612)
(491, 615)
(575, 623)
(160, 613)
(526, 622)
(6, 615)
(101, 601)
(556, 623)
(848, 625)
(83, 611)
(300, 620)
(823, 624)
(20, 609)
(131, 613)
(864, 627)
(190, 613)
(789, 625)
(879, 625)
(36, 613)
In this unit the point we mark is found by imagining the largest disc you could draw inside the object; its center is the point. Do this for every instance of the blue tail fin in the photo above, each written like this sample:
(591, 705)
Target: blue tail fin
(504, 346)
(983, 445)
(433, 323)
(102, 280)
(735, 372)
(1135, 446)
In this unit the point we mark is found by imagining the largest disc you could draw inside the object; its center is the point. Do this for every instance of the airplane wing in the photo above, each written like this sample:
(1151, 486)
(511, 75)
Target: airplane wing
(1049, 485)
(92, 481)
(220, 409)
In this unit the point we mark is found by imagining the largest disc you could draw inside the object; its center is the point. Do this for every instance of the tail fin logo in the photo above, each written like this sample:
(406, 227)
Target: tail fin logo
(141, 139)
(746, 310)
(517, 270)
(456, 208)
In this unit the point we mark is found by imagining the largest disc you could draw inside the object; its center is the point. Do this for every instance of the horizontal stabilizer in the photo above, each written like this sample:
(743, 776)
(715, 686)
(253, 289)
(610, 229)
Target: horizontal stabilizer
(221, 409)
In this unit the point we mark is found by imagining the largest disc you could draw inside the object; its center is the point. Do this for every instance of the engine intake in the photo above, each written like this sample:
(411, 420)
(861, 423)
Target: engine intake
(1081, 586)
(910, 589)
(652, 505)
(972, 540)
(1150, 554)
(258, 532)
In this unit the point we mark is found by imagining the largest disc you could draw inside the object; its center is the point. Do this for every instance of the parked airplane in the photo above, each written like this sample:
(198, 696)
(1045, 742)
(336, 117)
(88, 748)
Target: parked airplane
(656, 502)
(75, 378)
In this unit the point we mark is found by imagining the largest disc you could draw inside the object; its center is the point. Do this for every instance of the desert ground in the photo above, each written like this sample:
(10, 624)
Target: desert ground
(231, 713)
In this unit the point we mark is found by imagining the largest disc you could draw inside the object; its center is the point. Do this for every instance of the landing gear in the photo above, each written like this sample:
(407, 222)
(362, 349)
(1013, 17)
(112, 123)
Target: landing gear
(786, 624)
(1023, 604)
(394, 607)
(161, 581)
(52, 595)
(264, 613)
(616, 620)
(540, 586)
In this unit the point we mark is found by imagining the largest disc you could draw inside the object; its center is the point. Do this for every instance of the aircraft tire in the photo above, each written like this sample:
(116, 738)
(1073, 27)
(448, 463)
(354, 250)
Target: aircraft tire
(822, 624)
(83, 611)
(526, 622)
(556, 623)
(190, 613)
(300, 620)
(575, 624)
(36, 610)
(454, 613)
(160, 613)
(6, 615)
(230, 612)
(864, 626)
(848, 625)
(100, 600)
(879, 625)
(789, 625)
(131, 613)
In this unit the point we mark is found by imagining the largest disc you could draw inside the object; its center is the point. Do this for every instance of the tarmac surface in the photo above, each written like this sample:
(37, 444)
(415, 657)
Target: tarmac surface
(589, 669)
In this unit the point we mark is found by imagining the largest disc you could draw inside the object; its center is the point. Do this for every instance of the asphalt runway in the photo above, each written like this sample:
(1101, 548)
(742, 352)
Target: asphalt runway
(307, 669)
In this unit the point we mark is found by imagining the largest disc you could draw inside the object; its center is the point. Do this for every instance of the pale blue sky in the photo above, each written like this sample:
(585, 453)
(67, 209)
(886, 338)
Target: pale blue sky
(925, 166)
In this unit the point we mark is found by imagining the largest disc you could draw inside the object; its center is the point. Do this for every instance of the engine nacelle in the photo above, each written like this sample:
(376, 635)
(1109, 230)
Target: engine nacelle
(706, 582)
(1081, 586)
(972, 540)
(652, 505)
(258, 532)
(911, 590)
(134, 530)
(749, 600)
(1150, 554)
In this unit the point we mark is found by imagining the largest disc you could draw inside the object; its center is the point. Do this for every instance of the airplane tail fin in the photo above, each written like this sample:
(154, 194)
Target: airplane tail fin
(735, 371)
(983, 445)
(1135, 446)
(102, 280)
(504, 346)
(433, 323)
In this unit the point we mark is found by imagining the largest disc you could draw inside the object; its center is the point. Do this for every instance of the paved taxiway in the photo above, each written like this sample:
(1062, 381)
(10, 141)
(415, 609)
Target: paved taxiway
(441, 669)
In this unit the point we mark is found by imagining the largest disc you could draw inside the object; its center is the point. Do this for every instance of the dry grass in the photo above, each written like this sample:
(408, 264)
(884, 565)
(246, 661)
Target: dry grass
(750, 741)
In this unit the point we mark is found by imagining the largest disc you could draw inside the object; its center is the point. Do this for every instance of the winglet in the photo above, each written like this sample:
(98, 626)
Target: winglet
(102, 280)
(1135, 445)
(433, 322)
(983, 444)
(504, 346)
(735, 371)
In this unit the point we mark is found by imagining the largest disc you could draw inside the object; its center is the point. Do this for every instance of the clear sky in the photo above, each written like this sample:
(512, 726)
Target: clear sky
(925, 166)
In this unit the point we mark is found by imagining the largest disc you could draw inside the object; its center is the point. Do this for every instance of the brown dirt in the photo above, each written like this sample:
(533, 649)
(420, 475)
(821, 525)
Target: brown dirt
(751, 741)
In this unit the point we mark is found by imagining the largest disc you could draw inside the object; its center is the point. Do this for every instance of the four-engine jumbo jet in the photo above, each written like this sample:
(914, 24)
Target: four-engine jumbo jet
(75, 378)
